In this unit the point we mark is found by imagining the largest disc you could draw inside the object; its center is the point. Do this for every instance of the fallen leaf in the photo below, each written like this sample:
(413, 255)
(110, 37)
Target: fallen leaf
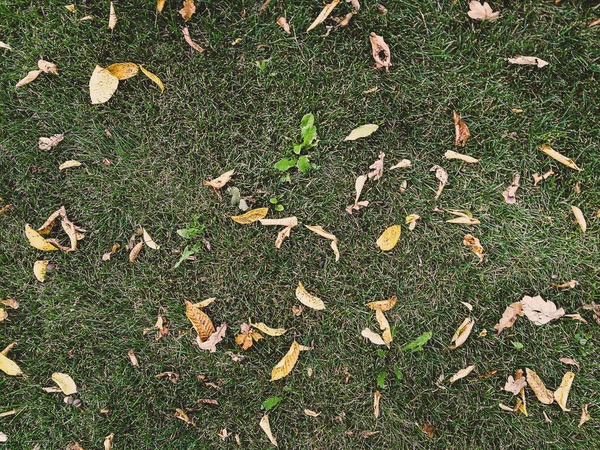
(442, 176)
(8, 366)
(428, 429)
(39, 269)
(65, 383)
(287, 363)
(45, 143)
(181, 415)
(509, 316)
(569, 284)
(515, 386)
(595, 309)
(246, 337)
(236, 41)
(69, 164)
(377, 167)
(576, 317)
(461, 374)
(376, 399)
(560, 158)
(297, 310)
(537, 178)
(135, 251)
(505, 408)
(123, 70)
(539, 311)
(31, 75)
(266, 427)
(268, 330)
(528, 61)
(8, 413)
(307, 299)
(11, 303)
(223, 434)
(221, 181)
(462, 134)
(580, 218)
(473, 242)
(148, 240)
(468, 306)
(160, 4)
(562, 393)
(345, 21)
(594, 23)
(361, 132)
(373, 337)
(37, 241)
(464, 218)
(539, 389)
(569, 361)
(133, 358)
(188, 10)
(323, 14)
(381, 52)
(251, 216)
(74, 446)
(87, 18)
(4, 209)
(510, 192)
(321, 232)
(3, 437)
(389, 238)
(401, 165)
(103, 85)
(201, 322)
(462, 332)
(108, 441)
(4, 45)
(3, 315)
(154, 78)
(282, 235)
(106, 256)
(285, 222)
(47, 67)
(478, 11)
(453, 155)
(112, 17)
(585, 416)
(384, 326)
(358, 186)
(282, 22)
(383, 305)
(188, 39)
(171, 376)
(204, 303)
(210, 344)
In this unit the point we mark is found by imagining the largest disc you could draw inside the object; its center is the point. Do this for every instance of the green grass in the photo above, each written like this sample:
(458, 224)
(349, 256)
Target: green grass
(219, 111)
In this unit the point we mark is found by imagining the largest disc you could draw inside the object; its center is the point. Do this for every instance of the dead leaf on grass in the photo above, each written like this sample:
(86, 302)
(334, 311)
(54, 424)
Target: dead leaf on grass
(247, 336)
(594, 23)
(181, 415)
(106, 256)
(442, 176)
(69, 164)
(401, 165)
(461, 131)
(389, 238)
(103, 85)
(4, 45)
(4, 209)
(428, 430)
(308, 299)
(558, 157)
(462, 333)
(579, 217)
(381, 52)
(210, 344)
(155, 79)
(362, 131)
(8, 366)
(461, 374)
(135, 251)
(282, 22)
(112, 17)
(311, 413)
(539, 311)
(383, 305)
(282, 235)
(188, 39)
(509, 316)
(268, 330)
(11, 303)
(160, 4)
(515, 386)
(133, 358)
(537, 177)
(539, 389)
(39, 269)
(478, 11)
(201, 322)
(377, 167)
(384, 326)
(251, 216)
(569, 361)
(373, 337)
(473, 242)
(31, 76)
(187, 10)
(569, 284)
(453, 155)
(376, 399)
(108, 441)
(585, 416)
(528, 61)
(510, 192)
(65, 383)
(287, 363)
(321, 232)
(266, 427)
(171, 376)
(562, 393)
(47, 67)
(358, 186)
(323, 14)
(463, 217)
(45, 143)
(37, 241)
(595, 309)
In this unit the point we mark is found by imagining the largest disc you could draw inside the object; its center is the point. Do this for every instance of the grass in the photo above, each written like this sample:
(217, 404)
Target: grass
(220, 111)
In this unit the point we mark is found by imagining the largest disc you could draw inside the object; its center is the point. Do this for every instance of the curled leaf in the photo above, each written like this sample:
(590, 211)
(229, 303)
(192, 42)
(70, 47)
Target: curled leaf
(442, 176)
(251, 216)
(478, 11)
(509, 316)
(39, 269)
(462, 333)
(37, 241)
(308, 299)
(266, 427)
(461, 131)
(362, 131)
(123, 70)
(461, 374)
(402, 164)
(31, 75)
(287, 363)
(528, 61)
(112, 17)
(154, 78)
(211, 342)
(377, 167)
(187, 10)
(108, 441)
(45, 143)
(181, 415)
(323, 14)
(539, 311)
(282, 235)
(465, 218)
(69, 164)
(383, 305)
(9, 367)
(148, 240)
(585, 416)
(160, 4)
(65, 383)
(188, 39)
(282, 22)
(537, 178)
(515, 386)
(473, 242)
(135, 251)
(510, 192)
(381, 52)
(321, 232)
(358, 187)
(389, 238)
(311, 413)
(221, 181)
(411, 221)
(373, 337)
(268, 330)
(580, 218)
(133, 358)
(376, 399)
(560, 158)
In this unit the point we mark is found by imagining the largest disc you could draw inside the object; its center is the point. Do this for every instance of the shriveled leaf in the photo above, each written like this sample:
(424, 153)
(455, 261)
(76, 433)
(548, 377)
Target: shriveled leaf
(576, 317)
(560, 158)
(282, 22)
(221, 181)
(453, 155)
(595, 309)
(539, 389)
(417, 344)
(539, 311)
(462, 332)
(537, 178)
(381, 52)
(308, 299)
(3, 315)
(384, 326)
(562, 393)
(245, 337)
(211, 342)
(461, 131)
(65, 383)
(528, 61)
(321, 232)
(103, 85)
(594, 23)
(285, 222)
(287, 363)
(268, 330)
(69, 164)
(187, 10)
(358, 187)
(201, 322)
(401, 165)
(311, 413)
(585, 416)
(580, 218)
(389, 238)
(251, 216)
(112, 17)
(383, 305)
(37, 241)
(205, 303)
(478, 11)
(266, 427)
(345, 21)
(462, 218)
(509, 316)
(31, 75)
(153, 77)
(376, 399)
(377, 167)
(3, 437)
(411, 221)
(181, 415)
(171, 376)
(362, 131)
(108, 441)
(191, 43)
(45, 143)
(135, 251)
(468, 306)
(12, 412)
(133, 358)
(372, 336)
(148, 240)
(123, 70)
(106, 256)
(510, 192)
(570, 361)
(39, 269)
(473, 242)
(461, 374)
(8, 366)
(515, 386)
(442, 176)
(323, 14)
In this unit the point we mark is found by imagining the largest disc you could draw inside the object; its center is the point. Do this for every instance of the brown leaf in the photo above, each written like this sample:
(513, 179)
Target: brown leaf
(509, 193)
(585, 416)
(595, 309)
(4, 209)
(478, 11)
(45, 143)
(266, 427)
(246, 336)
(462, 333)
(188, 9)
(201, 322)
(528, 61)
(562, 393)
(282, 22)
(461, 131)
(377, 167)
(135, 251)
(569, 361)
(569, 284)
(106, 256)
(594, 23)
(171, 376)
(181, 415)
(539, 311)
(442, 176)
(210, 344)
(346, 20)
(31, 75)
(188, 39)
(473, 242)
(509, 316)
(112, 17)
(323, 14)
(560, 158)
(539, 389)
(376, 399)
(287, 363)
(381, 52)
(537, 178)
(133, 358)
(428, 429)
(580, 218)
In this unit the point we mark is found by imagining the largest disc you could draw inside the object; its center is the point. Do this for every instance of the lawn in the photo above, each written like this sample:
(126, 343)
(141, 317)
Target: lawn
(239, 107)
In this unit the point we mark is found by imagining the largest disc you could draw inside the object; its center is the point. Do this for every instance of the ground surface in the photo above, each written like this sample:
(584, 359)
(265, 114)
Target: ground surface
(220, 111)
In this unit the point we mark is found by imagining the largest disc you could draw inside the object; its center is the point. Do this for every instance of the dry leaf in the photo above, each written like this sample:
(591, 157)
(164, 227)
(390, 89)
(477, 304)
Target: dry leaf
(31, 75)
(569, 361)
(468, 306)
(473, 242)
(560, 158)
(3, 315)
(246, 336)
(580, 218)
(285, 222)
(221, 181)
(594, 23)
(505, 408)
(251, 216)
(576, 317)
(478, 11)
(596, 310)
(462, 332)
(510, 192)
(323, 14)
(171, 376)
(123, 70)
(201, 322)
(87, 18)
(135, 251)
(355, 4)
(282, 22)
(428, 429)
(8, 366)
(188, 39)
(181, 415)
(389, 238)
(562, 393)
(205, 303)
(585, 416)
(47, 67)
(528, 61)
(463, 217)
(515, 386)
(297, 310)
(384, 326)
(69, 164)
(373, 337)
(461, 131)
(8, 413)
(569, 284)
(539, 389)
(442, 176)
(376, 399)
(377, 167)
(65, 383)
(160, 4)
(112, 17)
(285, 233)
(4, 45)
(45, 143)
(358, 186)
(210, 344)
(266, 427)
(148, 240)
(268, 330)
(345, 21)
(539, 311)
(381, 52)
(537, 178)
(108, 441)
(133, 358)
(321, 232)
(188, 9)
(39, 269)
(461, 374)
(401, 165)
(103, 85)
(453, 155)
(153, 77)
(411, 221)
(11, 303)
(307, 299)
(383, 305)
(4, 209)
(361, 132)
(287, 363)
(509, 316)
(311, 413)
(106, 256)
(37, 241)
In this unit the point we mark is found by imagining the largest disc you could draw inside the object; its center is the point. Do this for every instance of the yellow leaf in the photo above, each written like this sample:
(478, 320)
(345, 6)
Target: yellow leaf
(560, 158)
(70, 8)
(462, 333)
(201, 322)
(373, 337)
(383, 305)
(188, 9)
(411, 221)
(585, 416)
(580, 218)
(108, 441)
(454, 155)
(112, 17)
(160, 4)
(65, 383)
(307, 299)
(266, 427)
(37, 241)
(287, 363)
(103, 85)
(221, 181)
(9, 367)
(384, 326)
(47, 67)
(148, 240)
(562, 393)
(11, 303)
(39, 269)
(461, 374)
(539, 389)
(204, 303)
(389, 238)
(361, 132)
(69, 164)
(154, 78)
(251, 216)
(123, 70)
(311, 413)
(268, 330)
(135, 251)
(3, 315)
(323, 14)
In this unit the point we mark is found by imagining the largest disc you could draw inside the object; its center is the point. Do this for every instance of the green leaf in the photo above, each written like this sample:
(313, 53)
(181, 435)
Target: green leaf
(286, 178)
(271, 402)
(398, 374)
(235, 195)
(279, 208)
(285, 164)
(517, 345)
(381, 380)
(309, 135)
(273, 200)
(303, 164)
(417, 344)
(381, 353)
(297, 148)
(188, 233)
(308, 120)
(187, 252)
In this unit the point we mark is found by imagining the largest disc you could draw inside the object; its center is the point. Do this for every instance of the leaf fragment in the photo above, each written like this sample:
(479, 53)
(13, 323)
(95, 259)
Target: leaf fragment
(373, 337)
(191, 43)
(509, 316)
(461, 374)
(570, 361)
(325, 12)
(211, 342)
(148, 240)
(37, 241)
(266, 427)
(411, 221)
(478, 11)
(282, 235)
(462, 333)
(377, 167)
(11, 303)
(160, 4)
(31, 75)
(389, 238)
(428, 429)
(401, 165)
(562, 393)
(47, 67)
(383, 305)
(133, 358)
(308, 299)
(285, 222)
(464, 218)
(461, 131)
(510, 192)
(124, 70)
(311, 413)
(221, 181)
(454, 155)
(287, 363)
(585, 416)
(539, 389)
(268, 330)
(112, 17)
(188, 9)
(580, 218)
(39, 269)
(537, 178)
(153, 77)
(5, 45)
(381, 52)
(528, 61)
(376, 399)
(539, 311)
(181, 415)
(103, 85)
(559, 157)
(442, 176)
(282, 22)
(106, 256)
(65, 383)
(515, 385)
(251, 216)
(201, 322)
(45, 143)
(473, 242)
(108, 441)
(362, 131)
(321, 232)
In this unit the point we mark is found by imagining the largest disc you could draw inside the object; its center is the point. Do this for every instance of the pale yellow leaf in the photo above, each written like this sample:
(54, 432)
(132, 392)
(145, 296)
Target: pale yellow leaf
(580, 218)
(560, 158)
(462, 333)
(287, 363)
(335, 249)
(8, 348)
(181, 415)
(9, 367)
(266, 427)
(187, 10)
(135, 251)
(11, 303)
(468, 306)
(562, 393)
(201, 322)
(585, 416)
(411, 221)
(478, 11)
(358, 186)
(321, 232)
(308, 299)
(65, 383)
(87, 18)
(133, 358)
(31, 75)
(569, 284)
(5, 45)
(45, 143)
(3, 315)
(108, 441)
(37, 241)
(461, 374)
(39, 269)
(12, 412)
(69, 164)
(376, 399)
(373, 337)
(464, 221)
(112, 17)
(153, 77)
(123, 70)
(461, 131)
(221, 181)
(251, 216)
(539, 311)
(204, 303)
(389, 238)
(282, 22)
(453, 155)
(401, 165)
(505, 408)
(362, 131)
(190, 42)
(528, 61)
(509, 316)
(539, 389)
(379, 48)
(311, 413)
(442, 176)
(384, 326)
(268, 330)
(285, 222)
(323, 14)
(103, 85)
(383, 305)
(285, 233)
(47, 67)
(148, 240)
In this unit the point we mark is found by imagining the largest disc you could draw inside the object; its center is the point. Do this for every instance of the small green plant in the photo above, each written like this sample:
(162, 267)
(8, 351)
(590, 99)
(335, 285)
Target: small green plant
(308, 132)
(275, 201)
(517, 345)
(381, 380)
(194, 229)
(418, 343)
(398, 373)
(271, 402)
